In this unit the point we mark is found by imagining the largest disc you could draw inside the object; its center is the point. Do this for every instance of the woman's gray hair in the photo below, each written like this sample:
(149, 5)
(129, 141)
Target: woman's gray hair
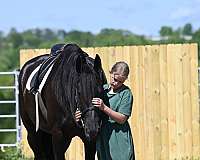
(121, 68)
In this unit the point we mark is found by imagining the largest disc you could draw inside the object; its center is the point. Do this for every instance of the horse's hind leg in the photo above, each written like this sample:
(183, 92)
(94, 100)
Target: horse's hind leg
(40, 143)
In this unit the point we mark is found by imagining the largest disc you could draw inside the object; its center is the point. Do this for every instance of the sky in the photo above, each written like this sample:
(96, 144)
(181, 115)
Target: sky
(143, 17)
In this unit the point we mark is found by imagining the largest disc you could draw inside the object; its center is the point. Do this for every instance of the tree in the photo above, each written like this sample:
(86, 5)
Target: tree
(48, 34)
(61, 34)
(166, 31)
(31, 39)
(187, 29)
(15, 38)
(1, 39)
(1, 35)
(84, 39)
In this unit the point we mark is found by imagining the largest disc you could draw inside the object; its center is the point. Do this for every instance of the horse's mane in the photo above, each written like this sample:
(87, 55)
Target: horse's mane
(68, 76)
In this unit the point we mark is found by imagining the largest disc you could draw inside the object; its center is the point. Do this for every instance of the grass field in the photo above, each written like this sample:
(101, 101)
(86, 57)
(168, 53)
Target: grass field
(12, 154)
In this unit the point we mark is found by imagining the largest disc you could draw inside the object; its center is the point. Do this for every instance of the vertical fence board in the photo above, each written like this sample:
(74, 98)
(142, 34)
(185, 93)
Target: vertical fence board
(141, 109)
(171, 102)
(187, 102)
(127, 59)
(112, 57)
(134, 86)
(194, 101)
(164, 103)
(156, 100)
(179, 100)
(149, 104)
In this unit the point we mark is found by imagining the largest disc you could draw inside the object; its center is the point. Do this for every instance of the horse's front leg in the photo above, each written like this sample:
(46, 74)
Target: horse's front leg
(90, 149)
(59, 145)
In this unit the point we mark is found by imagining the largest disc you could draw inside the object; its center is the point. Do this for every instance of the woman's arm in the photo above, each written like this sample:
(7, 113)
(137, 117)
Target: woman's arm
(116, 116)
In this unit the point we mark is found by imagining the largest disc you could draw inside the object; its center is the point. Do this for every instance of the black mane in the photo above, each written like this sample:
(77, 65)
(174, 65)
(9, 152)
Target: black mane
(74, 67)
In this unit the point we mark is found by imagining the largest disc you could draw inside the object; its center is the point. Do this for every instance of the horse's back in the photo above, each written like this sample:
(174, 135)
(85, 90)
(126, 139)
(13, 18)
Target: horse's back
(28, 68)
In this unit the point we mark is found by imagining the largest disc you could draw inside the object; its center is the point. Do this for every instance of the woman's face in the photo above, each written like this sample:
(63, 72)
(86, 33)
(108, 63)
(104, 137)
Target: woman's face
(116, 80)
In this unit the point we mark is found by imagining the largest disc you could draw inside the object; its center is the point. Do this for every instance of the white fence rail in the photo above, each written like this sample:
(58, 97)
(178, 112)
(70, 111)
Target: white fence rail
(14, 102)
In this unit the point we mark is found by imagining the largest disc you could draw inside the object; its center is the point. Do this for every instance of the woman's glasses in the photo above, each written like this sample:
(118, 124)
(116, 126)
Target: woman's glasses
(117, 78)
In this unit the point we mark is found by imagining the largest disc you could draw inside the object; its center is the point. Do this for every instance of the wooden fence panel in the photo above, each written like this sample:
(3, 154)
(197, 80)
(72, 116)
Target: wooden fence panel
(166, 116)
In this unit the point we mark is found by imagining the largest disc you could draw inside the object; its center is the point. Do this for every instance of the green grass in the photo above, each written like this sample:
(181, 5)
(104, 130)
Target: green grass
(12, 153)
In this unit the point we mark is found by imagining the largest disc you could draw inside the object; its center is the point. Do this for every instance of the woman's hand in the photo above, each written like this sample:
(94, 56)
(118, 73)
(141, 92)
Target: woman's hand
(78, 115)
(98, 102)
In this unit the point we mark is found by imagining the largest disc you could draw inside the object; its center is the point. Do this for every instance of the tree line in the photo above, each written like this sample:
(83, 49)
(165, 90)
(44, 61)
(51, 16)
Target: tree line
(13, 41)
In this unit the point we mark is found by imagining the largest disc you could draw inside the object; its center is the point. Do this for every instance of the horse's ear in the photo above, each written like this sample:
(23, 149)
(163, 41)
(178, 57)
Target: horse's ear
(79, 63)
(97, 63)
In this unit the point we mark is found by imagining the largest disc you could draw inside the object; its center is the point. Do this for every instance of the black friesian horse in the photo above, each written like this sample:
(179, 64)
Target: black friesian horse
(74, 80)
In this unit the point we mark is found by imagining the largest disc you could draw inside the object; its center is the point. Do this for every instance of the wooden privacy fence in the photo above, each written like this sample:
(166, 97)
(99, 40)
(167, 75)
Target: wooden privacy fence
(166, 116)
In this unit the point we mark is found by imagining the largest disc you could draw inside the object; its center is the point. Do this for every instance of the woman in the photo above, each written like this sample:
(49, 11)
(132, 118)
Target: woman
(114, 141)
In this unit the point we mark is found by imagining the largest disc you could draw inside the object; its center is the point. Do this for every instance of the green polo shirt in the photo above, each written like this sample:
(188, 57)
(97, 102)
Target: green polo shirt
(115, 141)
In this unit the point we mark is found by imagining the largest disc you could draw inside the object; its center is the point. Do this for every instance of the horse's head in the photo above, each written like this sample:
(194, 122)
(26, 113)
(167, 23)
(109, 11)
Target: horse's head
(90, 85)
(80, 78)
